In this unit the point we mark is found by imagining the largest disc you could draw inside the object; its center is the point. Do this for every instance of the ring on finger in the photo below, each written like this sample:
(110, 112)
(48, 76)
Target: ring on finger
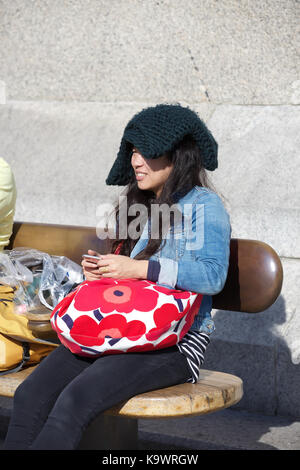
(104, 269)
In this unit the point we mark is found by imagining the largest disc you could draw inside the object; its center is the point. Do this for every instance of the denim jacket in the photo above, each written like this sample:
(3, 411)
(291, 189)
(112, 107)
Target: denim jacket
(195, 255)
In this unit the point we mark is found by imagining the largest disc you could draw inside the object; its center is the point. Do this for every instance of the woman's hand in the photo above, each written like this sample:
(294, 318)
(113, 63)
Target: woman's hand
(114, 266)
(90, 268)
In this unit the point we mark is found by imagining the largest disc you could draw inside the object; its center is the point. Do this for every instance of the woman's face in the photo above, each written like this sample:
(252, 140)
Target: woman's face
(151, 174)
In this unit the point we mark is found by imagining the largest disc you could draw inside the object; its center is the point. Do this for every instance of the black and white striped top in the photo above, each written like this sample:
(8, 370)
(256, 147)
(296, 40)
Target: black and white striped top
(193, 345)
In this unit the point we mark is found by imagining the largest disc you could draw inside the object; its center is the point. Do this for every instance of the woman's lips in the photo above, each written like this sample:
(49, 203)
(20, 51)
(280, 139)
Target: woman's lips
(140, 176)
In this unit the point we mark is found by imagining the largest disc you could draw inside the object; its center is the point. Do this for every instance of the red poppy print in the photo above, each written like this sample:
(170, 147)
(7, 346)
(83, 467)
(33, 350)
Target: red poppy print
(191, 312)
(171, 340)
(122, 295)
(177, 294)
(163, 317)
(158, 317)
(53, 321)
(73, 347)
(88, 332)
(112, 351)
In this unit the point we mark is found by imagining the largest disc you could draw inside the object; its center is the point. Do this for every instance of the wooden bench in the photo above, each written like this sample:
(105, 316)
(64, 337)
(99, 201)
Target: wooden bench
(253, 284)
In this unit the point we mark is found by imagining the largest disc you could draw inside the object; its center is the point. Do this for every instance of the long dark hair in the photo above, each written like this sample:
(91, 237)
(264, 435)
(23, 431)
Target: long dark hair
(187, 172)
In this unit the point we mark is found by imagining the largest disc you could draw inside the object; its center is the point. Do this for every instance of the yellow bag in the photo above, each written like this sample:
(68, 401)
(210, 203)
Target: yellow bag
(18, 344)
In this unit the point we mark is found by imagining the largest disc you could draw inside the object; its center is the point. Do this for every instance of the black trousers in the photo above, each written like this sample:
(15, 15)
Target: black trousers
(56, 403)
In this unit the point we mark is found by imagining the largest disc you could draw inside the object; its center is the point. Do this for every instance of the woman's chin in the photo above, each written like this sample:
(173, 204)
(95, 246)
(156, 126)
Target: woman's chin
(143, 185)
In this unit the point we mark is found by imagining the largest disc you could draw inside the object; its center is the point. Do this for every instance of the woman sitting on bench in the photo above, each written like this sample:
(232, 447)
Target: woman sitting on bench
(163, 156)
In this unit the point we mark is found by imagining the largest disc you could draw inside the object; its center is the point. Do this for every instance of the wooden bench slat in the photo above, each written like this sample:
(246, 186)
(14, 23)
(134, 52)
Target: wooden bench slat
(214, 391)
(9, 382)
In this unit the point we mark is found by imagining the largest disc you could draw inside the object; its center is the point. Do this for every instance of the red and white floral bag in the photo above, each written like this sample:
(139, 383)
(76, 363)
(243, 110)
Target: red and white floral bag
(110, 316)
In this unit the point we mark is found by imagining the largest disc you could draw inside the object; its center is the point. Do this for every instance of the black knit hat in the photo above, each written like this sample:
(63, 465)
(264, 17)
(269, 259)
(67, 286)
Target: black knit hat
(155, 131)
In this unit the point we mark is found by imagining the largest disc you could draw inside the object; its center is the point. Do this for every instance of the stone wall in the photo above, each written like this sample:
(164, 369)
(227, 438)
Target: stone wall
(74, 72)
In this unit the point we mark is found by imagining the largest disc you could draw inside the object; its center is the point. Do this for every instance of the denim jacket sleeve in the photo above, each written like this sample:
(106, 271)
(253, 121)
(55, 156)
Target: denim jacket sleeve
(202, 262)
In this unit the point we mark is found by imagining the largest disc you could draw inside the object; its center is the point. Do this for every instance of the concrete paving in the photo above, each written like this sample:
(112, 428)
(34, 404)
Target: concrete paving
(225, 430)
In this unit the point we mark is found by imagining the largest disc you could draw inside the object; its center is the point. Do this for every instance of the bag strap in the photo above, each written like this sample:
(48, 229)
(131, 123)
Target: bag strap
(6, 300)
(25, 359)
(118, 249)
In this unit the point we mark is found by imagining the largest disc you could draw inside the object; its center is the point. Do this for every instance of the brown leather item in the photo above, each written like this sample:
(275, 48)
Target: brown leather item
(254, 278)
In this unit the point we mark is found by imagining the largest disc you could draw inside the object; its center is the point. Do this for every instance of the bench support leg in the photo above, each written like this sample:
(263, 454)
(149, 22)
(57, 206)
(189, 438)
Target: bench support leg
(110, 433)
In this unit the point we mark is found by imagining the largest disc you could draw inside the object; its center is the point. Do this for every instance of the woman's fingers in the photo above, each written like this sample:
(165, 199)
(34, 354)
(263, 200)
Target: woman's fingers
(89, 264)
(116, 266)
(92, 277)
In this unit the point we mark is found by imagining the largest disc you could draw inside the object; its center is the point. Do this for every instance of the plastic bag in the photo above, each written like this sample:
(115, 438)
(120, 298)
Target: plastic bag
(41, 280)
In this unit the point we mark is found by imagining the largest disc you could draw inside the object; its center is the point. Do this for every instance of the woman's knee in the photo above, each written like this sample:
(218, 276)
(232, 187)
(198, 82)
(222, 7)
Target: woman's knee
(66, 405)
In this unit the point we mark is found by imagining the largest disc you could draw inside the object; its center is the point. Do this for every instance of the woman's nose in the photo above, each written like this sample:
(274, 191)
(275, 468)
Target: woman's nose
(137, 159)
